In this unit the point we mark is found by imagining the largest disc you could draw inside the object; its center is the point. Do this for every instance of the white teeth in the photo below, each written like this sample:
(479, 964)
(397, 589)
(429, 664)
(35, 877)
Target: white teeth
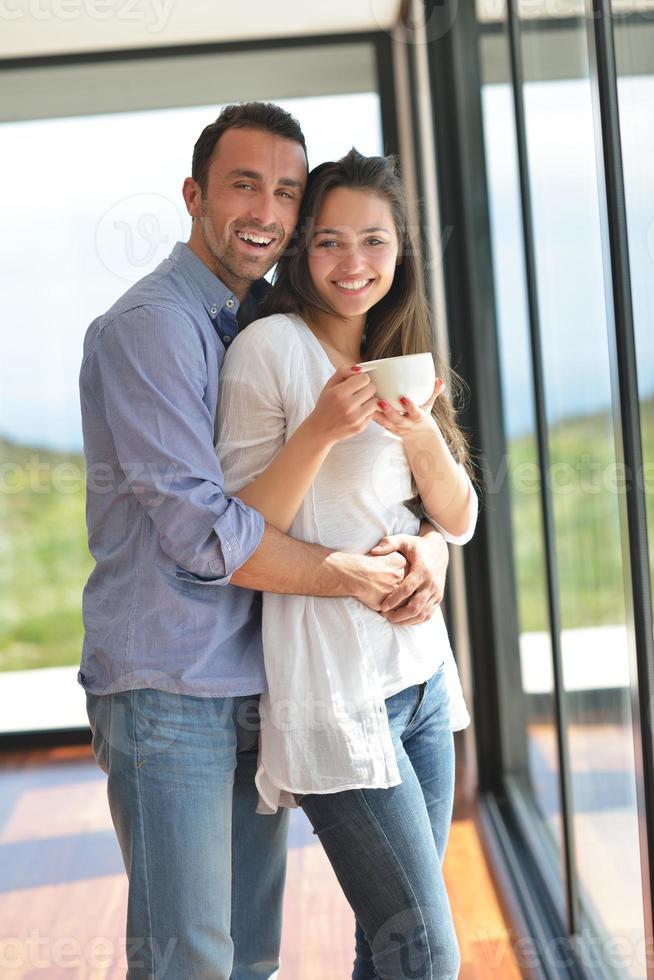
(352, 284)
(257, 239)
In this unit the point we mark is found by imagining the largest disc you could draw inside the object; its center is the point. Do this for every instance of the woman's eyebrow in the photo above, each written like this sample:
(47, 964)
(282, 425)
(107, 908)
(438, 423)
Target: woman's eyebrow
(339, 231)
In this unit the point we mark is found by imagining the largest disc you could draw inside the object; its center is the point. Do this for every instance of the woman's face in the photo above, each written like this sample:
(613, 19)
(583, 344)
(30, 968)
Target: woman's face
(352, 253)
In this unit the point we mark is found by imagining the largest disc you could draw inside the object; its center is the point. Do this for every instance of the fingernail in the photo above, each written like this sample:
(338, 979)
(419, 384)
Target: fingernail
(382, 405)
(355, 367)
(405, 401)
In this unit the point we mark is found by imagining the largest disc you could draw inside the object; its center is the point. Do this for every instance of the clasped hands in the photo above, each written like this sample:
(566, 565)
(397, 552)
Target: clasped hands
(421, 590)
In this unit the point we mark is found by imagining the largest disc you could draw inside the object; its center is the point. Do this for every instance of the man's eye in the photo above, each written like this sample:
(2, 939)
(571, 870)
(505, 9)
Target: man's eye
(245, 187)
(287, 194)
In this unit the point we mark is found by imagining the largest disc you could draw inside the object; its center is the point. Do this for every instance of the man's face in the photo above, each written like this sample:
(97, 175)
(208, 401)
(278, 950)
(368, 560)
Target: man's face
(250, 208)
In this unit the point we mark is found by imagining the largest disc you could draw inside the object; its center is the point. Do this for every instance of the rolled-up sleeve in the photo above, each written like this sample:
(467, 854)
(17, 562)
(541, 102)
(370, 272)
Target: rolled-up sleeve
(473, 510)
(150, 370)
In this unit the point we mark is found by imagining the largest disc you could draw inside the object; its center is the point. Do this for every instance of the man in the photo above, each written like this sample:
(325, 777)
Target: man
(172, 660)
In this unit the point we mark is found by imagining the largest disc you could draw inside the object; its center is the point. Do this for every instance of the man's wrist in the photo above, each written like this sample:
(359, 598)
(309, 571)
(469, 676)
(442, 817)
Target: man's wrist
(347, 573)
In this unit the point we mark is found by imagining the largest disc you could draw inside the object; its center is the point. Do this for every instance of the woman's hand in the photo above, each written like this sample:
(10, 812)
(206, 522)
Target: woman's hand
(418, 418)
(345, 406)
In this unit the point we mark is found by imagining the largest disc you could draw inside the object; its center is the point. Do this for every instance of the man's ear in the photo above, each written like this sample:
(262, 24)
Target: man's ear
(192, 194)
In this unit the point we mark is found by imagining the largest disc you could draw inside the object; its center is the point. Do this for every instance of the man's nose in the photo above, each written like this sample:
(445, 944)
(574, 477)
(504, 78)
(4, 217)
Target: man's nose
(263, 210)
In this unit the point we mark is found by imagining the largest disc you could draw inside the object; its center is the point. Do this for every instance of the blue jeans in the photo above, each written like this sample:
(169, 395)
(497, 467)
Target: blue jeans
(387, 845)
(206, 873)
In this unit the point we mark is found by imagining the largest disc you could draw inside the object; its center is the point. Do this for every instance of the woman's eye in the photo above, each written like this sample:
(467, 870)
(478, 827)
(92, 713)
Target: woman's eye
(327, 243)
(376, 241)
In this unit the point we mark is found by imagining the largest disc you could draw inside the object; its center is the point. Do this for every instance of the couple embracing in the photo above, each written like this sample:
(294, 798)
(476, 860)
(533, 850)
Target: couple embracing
(263, 626)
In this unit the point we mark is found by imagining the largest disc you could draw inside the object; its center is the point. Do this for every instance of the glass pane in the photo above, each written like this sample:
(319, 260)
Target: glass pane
(104, 212)
(634, 49)
(584, 487)
(534, 772)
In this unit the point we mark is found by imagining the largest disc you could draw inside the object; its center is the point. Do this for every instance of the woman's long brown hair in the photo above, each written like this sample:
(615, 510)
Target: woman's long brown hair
(400, 323)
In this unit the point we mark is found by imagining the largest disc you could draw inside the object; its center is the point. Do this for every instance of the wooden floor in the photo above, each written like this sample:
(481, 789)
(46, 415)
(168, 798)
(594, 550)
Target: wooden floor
(63, 890)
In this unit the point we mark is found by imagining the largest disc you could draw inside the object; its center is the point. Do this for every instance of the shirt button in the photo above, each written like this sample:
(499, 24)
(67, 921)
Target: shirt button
(227, 340)
(229, 304)
(213, 310)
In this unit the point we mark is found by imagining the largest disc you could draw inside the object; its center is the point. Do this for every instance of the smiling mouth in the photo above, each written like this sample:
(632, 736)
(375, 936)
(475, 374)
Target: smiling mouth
(255, 241)
(352, 287)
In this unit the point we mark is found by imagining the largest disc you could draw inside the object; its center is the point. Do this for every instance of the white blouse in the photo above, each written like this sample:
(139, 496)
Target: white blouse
(330, 662)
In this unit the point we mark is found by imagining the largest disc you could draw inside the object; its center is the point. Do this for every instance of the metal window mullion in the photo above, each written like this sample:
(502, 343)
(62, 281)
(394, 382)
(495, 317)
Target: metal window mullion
(454, 85)
(626, 409)
(565, 789)
(386, 90)
(427, 218)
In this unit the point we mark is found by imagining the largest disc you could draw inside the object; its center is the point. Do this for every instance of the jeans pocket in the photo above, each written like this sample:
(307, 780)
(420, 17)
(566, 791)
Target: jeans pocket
(421, 700)
(98, 709)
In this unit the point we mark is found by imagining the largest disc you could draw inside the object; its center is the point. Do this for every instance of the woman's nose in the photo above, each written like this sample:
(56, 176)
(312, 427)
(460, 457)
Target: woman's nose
(351, 261)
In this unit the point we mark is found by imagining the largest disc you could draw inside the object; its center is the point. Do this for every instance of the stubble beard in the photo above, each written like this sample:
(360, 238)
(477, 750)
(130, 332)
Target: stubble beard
(227, 260)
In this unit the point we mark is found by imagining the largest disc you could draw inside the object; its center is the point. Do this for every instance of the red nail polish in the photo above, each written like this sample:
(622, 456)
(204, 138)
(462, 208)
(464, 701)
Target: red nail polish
(405, 401)
(355, 367)
(382, 405)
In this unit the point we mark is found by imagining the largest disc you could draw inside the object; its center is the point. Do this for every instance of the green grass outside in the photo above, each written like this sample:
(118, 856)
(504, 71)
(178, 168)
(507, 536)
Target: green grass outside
(588, 551)
(44, 560)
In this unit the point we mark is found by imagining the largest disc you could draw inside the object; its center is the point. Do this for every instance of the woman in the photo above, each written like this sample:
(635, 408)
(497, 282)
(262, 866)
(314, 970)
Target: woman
(357, 723)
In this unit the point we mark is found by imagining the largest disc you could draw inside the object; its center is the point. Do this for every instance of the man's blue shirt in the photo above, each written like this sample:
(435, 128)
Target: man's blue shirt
(158, 607)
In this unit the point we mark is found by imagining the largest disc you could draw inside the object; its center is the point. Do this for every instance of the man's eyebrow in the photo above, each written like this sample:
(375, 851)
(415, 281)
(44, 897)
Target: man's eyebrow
(254, 175)
(339, 231)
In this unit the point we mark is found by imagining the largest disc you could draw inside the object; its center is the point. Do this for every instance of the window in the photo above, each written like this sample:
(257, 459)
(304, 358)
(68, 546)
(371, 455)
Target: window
(585, 839)
(91, 202)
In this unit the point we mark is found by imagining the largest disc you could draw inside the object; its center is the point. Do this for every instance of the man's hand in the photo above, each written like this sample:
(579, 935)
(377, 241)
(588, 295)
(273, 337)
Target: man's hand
(415, 599)
(371, 579)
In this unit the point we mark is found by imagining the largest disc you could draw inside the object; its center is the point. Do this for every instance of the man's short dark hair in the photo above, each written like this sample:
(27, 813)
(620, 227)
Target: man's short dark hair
(244, 115)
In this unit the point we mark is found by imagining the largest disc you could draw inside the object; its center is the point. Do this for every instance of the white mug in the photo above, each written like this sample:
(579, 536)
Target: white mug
(409, 375)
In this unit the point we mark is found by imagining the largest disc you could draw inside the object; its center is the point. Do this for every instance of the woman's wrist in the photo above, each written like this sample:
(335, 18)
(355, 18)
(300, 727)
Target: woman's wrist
(428, 430)
(316, 434)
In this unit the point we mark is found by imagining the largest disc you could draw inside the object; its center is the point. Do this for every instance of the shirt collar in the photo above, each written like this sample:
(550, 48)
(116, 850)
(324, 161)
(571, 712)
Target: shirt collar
(213, 292)
(251, 305)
